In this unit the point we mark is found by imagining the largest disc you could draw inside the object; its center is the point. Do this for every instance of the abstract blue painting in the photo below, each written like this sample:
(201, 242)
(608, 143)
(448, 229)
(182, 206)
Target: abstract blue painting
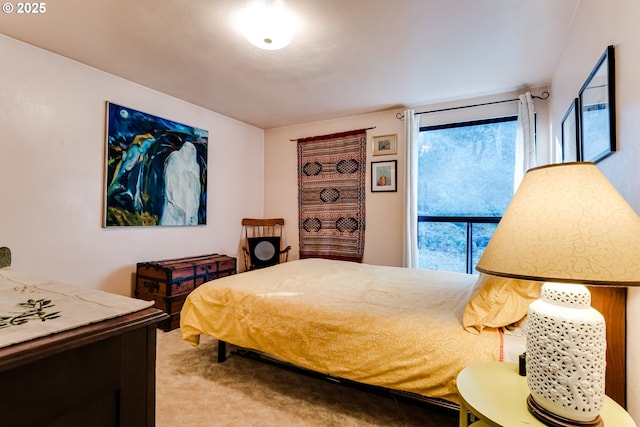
(156, 170)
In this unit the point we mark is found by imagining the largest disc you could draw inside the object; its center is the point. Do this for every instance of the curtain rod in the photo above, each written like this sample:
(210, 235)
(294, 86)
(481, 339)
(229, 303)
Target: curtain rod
(294, 140)
(545, 95)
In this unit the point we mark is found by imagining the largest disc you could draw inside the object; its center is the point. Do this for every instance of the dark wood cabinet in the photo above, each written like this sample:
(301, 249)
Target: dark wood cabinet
(102, 374)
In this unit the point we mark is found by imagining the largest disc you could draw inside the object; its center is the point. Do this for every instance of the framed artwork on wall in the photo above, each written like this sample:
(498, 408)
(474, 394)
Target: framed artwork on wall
(385, 144)
(384, 176)
(156, 170)
(597, 110)
(571, 134)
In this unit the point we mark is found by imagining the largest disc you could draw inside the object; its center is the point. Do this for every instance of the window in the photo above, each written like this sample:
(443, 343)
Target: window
(465, 183)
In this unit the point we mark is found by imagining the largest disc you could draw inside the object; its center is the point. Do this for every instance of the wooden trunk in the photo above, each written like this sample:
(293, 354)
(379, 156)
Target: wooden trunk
(168, 282)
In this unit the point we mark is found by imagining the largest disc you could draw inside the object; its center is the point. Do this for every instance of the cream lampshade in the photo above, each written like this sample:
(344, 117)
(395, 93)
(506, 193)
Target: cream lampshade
(566, 225)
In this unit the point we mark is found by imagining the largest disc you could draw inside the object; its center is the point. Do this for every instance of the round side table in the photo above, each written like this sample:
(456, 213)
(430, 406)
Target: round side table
(497, 395)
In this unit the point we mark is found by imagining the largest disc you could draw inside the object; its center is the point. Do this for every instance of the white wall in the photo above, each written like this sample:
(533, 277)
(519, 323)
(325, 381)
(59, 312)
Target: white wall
(52, 155)
(598, 24)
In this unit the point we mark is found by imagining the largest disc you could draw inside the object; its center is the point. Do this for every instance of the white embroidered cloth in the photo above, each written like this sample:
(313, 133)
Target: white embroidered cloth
(32, 307)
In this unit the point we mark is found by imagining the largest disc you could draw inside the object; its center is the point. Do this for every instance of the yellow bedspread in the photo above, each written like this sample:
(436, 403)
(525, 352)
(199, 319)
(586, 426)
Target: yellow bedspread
(386, 326)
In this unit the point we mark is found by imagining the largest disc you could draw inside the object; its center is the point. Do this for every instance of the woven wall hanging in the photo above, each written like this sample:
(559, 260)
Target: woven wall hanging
(331, 195)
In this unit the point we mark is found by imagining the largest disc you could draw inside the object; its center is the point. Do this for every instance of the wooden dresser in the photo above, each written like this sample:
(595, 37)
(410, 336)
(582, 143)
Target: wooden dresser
(102, 374)
(168, 282)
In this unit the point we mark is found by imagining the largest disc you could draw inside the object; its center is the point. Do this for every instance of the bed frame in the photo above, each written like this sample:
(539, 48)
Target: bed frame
(609, 301)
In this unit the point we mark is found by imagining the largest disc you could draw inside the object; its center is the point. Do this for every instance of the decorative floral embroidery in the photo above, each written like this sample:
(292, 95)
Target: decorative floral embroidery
(32, 310)
(24, 289)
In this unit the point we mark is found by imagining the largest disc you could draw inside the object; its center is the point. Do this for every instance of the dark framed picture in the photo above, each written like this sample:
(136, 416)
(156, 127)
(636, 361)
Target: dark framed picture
(384, 176)
(597, 110)
(571, 133)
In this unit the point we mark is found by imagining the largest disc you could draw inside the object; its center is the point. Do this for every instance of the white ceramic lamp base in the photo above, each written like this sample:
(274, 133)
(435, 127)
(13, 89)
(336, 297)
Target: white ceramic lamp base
(566, 356)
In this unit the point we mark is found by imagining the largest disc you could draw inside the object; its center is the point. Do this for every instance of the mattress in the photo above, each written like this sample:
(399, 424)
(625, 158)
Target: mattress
(385, 326)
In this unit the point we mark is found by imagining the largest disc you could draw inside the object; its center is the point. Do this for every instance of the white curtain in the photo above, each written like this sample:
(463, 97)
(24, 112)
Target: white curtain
(410, 247)
(525, 142)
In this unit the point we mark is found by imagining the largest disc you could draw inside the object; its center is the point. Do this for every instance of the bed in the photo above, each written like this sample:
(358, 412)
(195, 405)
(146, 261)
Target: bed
(75, 356)
(398, 329)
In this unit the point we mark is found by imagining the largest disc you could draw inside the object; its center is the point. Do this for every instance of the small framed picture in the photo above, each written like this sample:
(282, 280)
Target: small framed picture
(385, 144)
(384, 176)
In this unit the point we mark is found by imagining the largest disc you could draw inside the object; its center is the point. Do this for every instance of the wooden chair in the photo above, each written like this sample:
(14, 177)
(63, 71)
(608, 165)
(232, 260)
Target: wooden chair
(262, 242)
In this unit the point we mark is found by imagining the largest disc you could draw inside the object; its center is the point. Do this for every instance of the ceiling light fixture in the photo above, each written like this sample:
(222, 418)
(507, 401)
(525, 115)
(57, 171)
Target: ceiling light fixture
(267, 24)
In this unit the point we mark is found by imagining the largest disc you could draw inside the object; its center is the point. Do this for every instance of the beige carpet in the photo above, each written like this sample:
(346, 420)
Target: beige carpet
(193, 390)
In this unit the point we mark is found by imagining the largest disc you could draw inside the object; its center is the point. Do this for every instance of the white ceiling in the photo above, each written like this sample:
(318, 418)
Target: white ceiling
(347, 57)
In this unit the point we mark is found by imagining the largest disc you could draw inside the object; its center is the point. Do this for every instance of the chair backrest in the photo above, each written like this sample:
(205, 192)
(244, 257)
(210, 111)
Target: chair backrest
(262, 227)
(261, 237)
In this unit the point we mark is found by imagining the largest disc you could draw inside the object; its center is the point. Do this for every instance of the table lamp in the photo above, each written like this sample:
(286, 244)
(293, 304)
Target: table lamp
(567, 226)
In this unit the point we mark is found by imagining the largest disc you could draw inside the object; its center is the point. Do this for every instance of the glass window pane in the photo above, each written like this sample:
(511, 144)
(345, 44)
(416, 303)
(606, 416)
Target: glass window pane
(442, 246)
(466, 169)
(481, 235)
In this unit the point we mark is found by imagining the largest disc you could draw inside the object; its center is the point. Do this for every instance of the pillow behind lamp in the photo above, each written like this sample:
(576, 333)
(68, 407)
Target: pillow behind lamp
(264, 251)
(498, 302)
